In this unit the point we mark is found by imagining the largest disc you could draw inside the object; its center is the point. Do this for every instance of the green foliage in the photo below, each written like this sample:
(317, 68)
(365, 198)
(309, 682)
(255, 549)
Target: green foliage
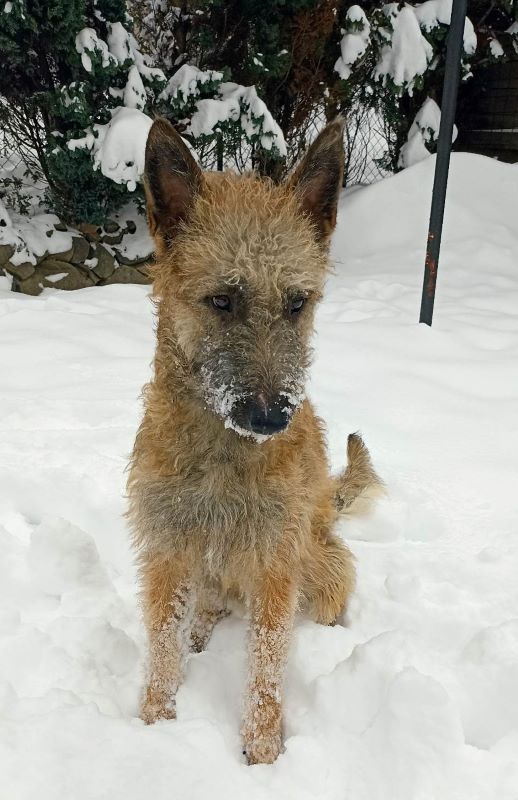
(53, 98)
(78, 193)
(57, 88)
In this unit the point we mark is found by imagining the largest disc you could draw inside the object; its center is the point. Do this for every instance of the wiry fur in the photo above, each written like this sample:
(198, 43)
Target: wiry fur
(214, 513)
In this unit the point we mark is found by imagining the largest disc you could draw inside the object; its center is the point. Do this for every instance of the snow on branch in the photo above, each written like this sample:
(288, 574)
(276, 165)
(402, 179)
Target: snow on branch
(354, 42)
(406, 56)
(241, 104)
(423, 134)
(87, 42)
(124, 47)
(187, 82)
(433, 13)
(118, 148)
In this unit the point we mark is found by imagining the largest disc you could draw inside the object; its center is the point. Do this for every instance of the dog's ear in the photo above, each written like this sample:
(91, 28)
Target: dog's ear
(172, 180)
(317, 180)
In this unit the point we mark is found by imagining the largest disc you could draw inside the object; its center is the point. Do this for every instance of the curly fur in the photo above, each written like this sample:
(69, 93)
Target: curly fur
(215, 514)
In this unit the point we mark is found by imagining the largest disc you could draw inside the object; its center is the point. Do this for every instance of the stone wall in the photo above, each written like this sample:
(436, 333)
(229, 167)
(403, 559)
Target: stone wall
(97, 256)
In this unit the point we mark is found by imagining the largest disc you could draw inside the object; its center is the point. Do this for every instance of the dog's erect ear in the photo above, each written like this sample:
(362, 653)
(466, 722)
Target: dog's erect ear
(318, 178)
(172, 179)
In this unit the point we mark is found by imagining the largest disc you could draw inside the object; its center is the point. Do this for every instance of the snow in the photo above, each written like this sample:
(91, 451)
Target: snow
(32, 237)
(186, 81)
(434, 12)
(416, 696)
(355, 42)
(424, 130)
(119, 147)
(124, 47)
(236, 102)
(407, 55)
(88, 41)
(497, 51)
(134, 92)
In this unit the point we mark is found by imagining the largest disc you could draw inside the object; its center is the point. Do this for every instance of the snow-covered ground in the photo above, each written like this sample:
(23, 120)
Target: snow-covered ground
(416, 698)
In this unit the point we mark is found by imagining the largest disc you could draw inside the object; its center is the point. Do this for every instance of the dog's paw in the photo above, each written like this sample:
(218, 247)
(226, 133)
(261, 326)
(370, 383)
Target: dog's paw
(157, 706)
(263, 749)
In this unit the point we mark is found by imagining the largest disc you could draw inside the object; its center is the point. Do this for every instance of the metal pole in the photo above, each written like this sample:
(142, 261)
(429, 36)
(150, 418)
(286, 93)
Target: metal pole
(449, 103)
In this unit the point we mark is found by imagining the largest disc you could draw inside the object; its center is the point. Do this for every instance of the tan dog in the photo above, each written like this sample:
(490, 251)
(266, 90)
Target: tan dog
(230, 491)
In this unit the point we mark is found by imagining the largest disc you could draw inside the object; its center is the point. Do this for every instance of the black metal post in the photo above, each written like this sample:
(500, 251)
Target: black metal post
(449, 103)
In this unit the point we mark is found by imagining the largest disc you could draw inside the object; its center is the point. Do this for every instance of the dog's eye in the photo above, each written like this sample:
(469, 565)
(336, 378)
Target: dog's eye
(297, 304)
(221, 302)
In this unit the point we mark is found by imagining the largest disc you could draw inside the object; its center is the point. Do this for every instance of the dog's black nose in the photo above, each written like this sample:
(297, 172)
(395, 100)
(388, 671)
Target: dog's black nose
(267, 419)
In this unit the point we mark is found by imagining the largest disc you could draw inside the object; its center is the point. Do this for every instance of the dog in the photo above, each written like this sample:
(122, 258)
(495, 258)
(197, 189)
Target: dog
(230, 494)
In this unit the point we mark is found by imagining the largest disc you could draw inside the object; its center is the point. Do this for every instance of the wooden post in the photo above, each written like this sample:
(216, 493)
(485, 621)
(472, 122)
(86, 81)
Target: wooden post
(449, 103)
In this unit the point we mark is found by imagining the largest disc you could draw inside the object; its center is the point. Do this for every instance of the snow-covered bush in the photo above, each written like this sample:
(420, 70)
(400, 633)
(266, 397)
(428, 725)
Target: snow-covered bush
(247, 84)
(392, 56)
(225, 121)
(77, 95)
(68, 66)
(423, 134)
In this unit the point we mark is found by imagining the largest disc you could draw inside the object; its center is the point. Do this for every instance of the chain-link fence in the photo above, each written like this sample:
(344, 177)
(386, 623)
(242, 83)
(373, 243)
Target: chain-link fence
(366, 146)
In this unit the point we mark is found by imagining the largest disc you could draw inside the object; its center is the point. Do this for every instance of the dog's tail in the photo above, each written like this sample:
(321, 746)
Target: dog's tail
(358, 485)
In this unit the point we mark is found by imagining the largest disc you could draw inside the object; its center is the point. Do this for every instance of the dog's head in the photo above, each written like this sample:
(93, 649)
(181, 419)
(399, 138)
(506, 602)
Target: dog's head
(241, 264)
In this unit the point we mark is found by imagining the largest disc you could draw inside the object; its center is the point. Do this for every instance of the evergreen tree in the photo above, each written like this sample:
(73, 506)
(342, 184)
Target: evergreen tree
(68, 64)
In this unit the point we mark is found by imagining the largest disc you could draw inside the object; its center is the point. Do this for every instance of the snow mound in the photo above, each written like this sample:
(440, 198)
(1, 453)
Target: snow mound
(415, 695)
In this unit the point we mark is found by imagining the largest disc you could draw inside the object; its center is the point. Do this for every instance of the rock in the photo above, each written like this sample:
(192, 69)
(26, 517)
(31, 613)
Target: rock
(42, 257)
(144, 269)
(126, 274)
(49, 233)
(30, 286)
(110, 226)
(105, 262)
(6, 251)
(60, 226)
(90, 232)
(130, 226)
(80, 250)
(132, 262)
(88, 273)
(72, 278)
(116, 238)
(20, 271)
(65, 255)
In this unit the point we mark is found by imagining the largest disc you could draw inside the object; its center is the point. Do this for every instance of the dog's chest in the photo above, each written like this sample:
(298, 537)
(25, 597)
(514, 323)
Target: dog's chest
(220, 509)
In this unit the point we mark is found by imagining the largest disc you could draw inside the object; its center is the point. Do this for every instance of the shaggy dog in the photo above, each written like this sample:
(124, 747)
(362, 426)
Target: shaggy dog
(230, 491)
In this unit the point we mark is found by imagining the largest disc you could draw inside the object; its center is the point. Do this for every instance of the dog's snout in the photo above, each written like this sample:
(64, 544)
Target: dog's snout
(267, 418)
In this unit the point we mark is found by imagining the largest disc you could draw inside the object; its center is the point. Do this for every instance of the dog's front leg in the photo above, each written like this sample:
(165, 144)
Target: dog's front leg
(272, 610)
(169, 596)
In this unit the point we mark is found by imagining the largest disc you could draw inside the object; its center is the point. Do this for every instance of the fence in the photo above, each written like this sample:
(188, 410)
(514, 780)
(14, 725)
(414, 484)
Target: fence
(488, 112)
(487, 121)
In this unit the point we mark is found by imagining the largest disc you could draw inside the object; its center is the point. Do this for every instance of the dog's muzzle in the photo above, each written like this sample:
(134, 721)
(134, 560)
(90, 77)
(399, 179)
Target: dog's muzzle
(257, 415)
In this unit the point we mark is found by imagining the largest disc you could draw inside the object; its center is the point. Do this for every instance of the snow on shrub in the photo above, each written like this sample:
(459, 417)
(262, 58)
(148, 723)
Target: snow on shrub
(88, 42)
(187, 82)
(405, 56)
(423, 134)
(355, 41)
(215, 109)
(434, 13)
(241, 105)
(118, 148)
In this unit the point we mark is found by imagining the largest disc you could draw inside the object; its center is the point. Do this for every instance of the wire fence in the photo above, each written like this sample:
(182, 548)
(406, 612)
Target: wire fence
(366, 146)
